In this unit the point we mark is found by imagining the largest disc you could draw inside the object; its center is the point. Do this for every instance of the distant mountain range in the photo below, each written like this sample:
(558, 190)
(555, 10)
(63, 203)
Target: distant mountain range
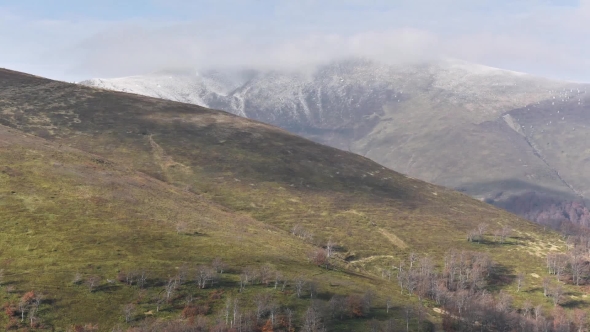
(515, 140)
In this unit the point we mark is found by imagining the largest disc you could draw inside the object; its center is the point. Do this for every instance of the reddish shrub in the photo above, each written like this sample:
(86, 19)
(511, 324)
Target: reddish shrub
(319, 257)
(12, 324)
(28, 297)
(9, 309)
(194, 311)
(267, 327)
(354, 306)
(122, 277)
(189, 312)
(216, 295)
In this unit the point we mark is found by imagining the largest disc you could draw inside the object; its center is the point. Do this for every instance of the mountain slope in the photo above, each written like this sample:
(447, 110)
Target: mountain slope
(189, 145)
(107, 177)
(66, 212)
(442, 122)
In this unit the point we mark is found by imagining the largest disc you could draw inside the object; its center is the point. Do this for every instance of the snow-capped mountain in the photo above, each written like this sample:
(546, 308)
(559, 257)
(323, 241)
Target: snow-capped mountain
(335, 93)
(478, 129)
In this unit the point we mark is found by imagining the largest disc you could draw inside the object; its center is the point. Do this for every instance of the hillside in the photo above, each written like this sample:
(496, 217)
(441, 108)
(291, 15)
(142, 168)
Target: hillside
(99, 182)
(441, 122)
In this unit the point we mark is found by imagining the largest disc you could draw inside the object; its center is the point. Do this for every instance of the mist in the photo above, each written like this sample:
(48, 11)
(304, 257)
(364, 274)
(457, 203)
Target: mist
(542, 38)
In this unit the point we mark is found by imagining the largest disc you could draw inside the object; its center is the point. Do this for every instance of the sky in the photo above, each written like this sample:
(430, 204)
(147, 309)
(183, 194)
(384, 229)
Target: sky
(78, 39)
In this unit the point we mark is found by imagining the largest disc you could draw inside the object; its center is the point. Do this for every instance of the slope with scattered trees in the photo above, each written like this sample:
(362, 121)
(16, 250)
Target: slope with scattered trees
(119, 207)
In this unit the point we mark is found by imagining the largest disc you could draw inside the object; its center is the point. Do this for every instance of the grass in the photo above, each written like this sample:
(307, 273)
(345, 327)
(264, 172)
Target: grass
(65, 212)
(104, 193)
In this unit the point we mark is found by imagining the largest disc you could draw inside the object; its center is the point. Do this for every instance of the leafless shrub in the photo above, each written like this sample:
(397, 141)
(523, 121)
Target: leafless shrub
(92, 282)
(129, 312)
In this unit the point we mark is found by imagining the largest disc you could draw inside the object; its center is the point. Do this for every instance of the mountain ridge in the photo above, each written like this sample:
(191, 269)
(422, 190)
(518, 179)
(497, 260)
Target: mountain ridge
(399, 117)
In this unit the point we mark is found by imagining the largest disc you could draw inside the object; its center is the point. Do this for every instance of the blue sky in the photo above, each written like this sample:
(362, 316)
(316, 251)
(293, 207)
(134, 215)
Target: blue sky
(77, 39)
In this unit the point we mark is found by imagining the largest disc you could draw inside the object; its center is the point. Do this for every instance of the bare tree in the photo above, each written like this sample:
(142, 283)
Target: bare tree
(561, 265)
(77, 278)
(130, 277)
(183, 274)
(388, 304)
(313, 288)
(504, 302)
(519, 281)
(581, 319)
(413, 258)
(390, 326)
(204, 276)
(497, 235)
(577, 266)
(272, 309)
(527, 308)
(188, 300)
(219, 265)
(551, 263)
(411, 280)
(236, 314)
(472, 235)
(312, 320)
(461, 298)
(337, 306)
(546, 284)
(181, 227)
(407, 316)
(301, 232)
(481, 229)
(386, 274)
(128, 312)
(330, 248)
(284, 284)
(297, 230)
(266, 274)
(252, 274)
(419, 311)
(243, 281)
(92, 282)
(38, 299)
(227, 310)
(170, 287)
(556, 294)
(401, 278)
(367, 301)
(543, 324)
(307, 236)
(538, 311)
(299, 283)
(25, 304)
(261, 301)
(23, 307)
(277, 279)
(505, 233)
(142, 278)
(160, 299)
(289, 319)
(33, 309)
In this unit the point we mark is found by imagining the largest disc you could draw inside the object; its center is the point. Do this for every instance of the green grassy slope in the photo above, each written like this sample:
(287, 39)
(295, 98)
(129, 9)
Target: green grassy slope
(110, 174)
(64, 211)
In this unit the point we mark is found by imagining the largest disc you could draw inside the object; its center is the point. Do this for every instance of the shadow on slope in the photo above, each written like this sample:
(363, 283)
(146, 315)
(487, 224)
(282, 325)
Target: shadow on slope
(539, 204)
(189, 135)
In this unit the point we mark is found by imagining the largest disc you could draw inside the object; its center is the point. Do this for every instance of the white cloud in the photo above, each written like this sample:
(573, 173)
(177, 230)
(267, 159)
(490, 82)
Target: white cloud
(524, 35)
